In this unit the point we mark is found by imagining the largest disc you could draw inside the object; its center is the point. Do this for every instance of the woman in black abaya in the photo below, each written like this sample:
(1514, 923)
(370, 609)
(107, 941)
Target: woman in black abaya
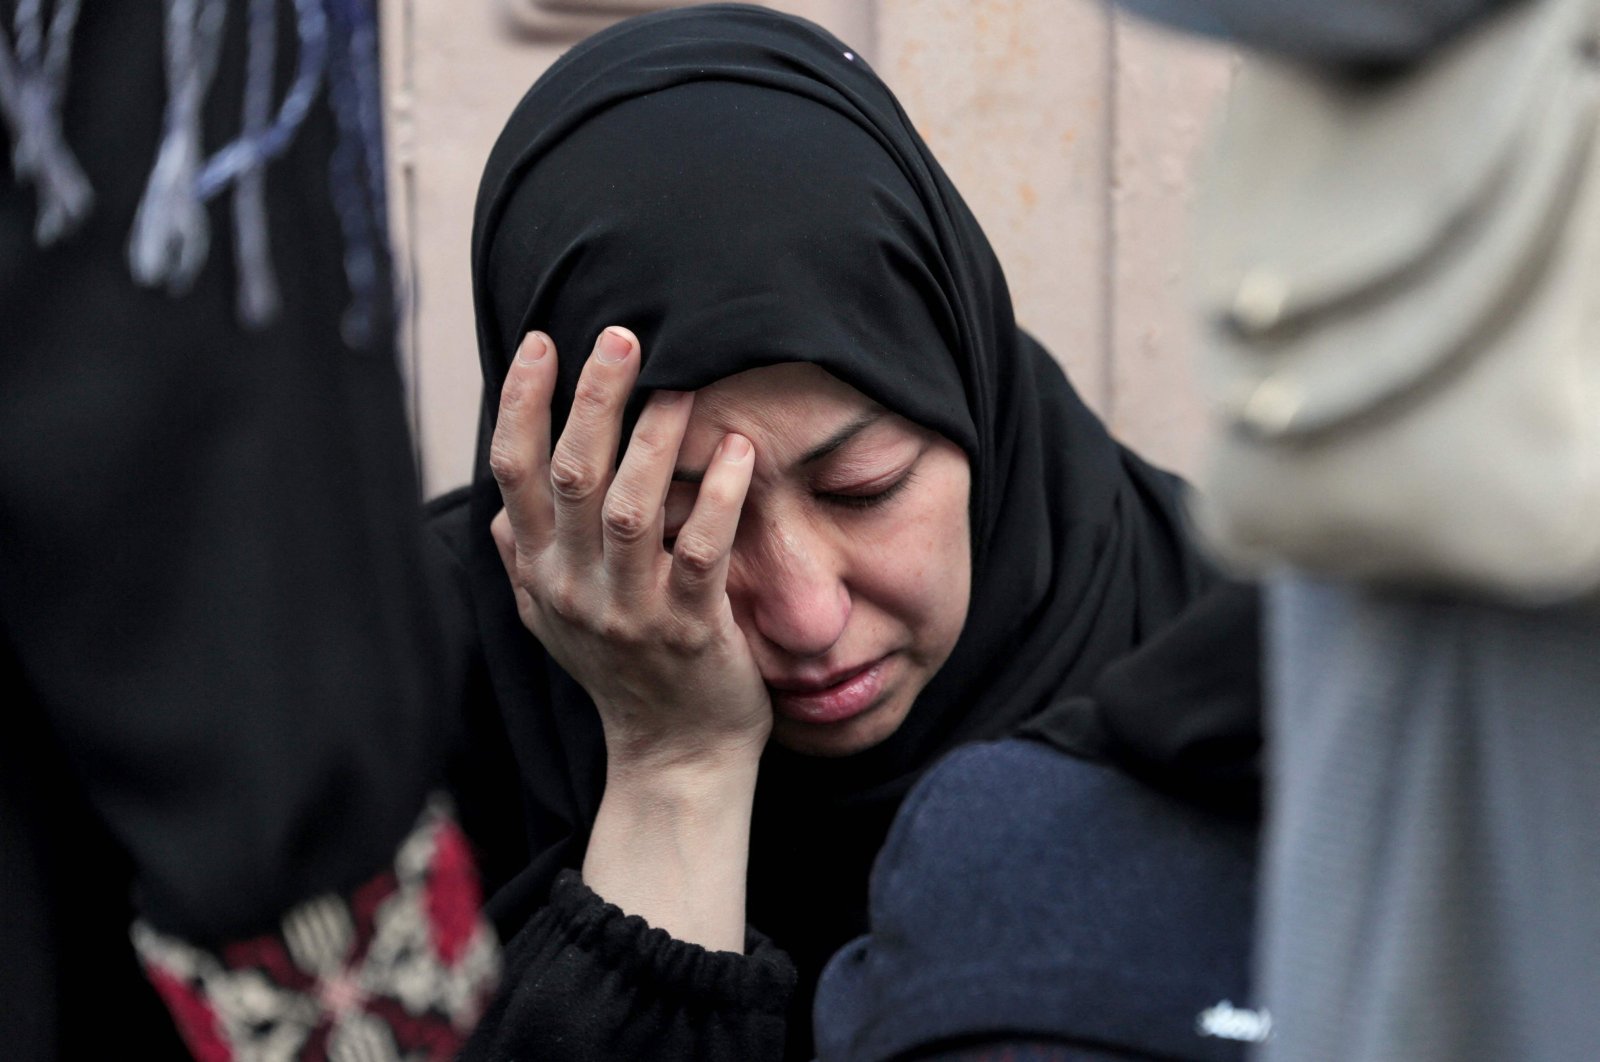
(892, 527)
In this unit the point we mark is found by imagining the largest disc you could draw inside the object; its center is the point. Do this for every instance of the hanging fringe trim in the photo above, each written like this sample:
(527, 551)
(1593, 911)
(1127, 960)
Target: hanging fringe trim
(230, 163)
(171, 233)
(33, 79)
(259, 299)
(171, 237)
(243, 163)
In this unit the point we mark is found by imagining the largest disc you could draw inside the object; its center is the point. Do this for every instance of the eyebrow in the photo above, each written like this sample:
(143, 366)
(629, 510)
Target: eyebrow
(810, 457)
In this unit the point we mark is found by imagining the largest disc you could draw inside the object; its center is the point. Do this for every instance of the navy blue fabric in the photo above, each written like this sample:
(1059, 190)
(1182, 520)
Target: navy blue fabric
(1025, 894)
(1362, 32)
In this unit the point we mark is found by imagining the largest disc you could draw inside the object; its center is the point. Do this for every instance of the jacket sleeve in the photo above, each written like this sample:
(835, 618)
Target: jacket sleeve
(585, 982)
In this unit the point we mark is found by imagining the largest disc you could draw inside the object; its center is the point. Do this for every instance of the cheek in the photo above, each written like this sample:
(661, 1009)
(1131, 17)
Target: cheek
(920, 570)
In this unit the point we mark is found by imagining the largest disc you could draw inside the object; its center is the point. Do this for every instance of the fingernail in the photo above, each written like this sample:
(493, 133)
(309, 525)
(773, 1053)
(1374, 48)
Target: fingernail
(613, 347)
(671, 398)
(534, 347)
(735, 448)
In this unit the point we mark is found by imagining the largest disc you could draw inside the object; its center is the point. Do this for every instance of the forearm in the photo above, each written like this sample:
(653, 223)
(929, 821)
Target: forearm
(671, 844)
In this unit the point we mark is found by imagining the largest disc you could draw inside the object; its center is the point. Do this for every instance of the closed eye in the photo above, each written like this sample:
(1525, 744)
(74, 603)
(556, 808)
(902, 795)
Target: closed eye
(870, 498)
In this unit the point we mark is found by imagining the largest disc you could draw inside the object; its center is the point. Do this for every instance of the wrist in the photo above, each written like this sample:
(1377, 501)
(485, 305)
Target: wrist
(670, 843)
(682, 791)
(682, 765)
(691, 759)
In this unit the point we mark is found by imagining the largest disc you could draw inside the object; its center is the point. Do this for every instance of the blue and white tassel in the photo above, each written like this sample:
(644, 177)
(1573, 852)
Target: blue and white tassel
(33, 80)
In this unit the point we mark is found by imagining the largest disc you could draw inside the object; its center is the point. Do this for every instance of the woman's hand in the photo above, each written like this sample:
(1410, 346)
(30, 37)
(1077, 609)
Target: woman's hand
(649, 634)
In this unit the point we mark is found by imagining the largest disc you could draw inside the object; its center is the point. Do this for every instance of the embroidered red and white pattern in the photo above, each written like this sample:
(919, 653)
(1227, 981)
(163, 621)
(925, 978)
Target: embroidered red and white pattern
(399, 971)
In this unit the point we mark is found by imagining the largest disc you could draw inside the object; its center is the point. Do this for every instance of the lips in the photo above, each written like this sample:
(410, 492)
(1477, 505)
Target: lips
(831, 699)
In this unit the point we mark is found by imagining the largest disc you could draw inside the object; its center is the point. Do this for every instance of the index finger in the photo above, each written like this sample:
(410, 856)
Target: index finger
(519, 451)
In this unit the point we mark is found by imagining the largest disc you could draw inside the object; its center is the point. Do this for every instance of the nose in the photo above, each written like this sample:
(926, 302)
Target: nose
(788, 585)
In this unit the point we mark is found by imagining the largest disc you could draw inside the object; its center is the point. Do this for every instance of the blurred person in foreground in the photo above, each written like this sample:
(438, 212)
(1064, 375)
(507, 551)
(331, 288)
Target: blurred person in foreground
(223, 688)
(1432, 876)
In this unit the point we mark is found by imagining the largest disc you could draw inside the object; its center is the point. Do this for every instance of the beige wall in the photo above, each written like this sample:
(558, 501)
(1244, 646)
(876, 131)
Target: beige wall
(1071, 131)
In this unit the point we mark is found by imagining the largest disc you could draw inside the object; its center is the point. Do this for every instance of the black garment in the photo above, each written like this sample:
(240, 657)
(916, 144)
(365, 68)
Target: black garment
(740, 189)
(1182, 711)
(215, 651)
(682, 1001)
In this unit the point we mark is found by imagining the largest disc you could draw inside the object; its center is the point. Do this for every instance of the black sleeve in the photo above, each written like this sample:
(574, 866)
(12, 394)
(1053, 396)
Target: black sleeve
(1357, 32)
(584, 982)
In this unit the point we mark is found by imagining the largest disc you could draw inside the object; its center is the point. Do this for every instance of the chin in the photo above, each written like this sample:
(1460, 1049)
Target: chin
(835, 740)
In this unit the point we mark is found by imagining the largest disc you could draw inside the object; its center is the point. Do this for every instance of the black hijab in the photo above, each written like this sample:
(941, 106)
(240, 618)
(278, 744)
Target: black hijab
(741, 190)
